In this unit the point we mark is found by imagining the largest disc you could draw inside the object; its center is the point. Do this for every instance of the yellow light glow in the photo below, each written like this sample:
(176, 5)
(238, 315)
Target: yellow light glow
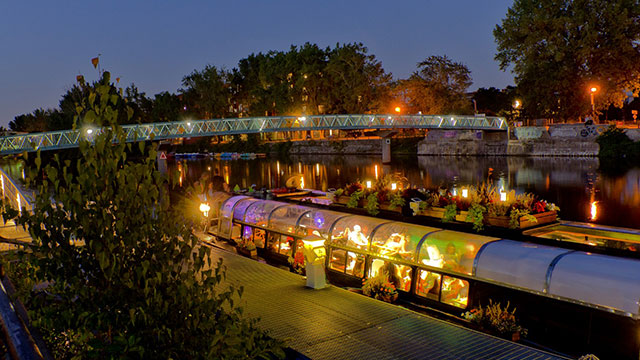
(516, 104)
(594, 211)
(205, 209)
(2, 180)
(278, 167)
(317, 169)
(594, 89)
(465, 192)
(503, 195)
(375, 168)
(19, 205)
(300, 167)
(368, 184)
(397, 109)
(301, 182)
(394, 186)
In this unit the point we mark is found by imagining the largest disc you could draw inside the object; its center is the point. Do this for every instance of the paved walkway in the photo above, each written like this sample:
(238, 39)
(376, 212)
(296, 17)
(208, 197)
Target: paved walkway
(10, 234)
(333, 323)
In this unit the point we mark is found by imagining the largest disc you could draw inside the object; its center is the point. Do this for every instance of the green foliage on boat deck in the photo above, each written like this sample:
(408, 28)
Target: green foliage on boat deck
(135, 284)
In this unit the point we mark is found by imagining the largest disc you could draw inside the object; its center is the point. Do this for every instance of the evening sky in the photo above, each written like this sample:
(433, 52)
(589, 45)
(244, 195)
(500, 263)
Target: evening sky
(44, 44)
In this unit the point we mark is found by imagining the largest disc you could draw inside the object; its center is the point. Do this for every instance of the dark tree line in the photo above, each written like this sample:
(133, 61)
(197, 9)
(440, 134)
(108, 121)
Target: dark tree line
(304, 80)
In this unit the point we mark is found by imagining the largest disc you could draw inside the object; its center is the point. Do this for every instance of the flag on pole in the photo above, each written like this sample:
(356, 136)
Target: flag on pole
(95, 61)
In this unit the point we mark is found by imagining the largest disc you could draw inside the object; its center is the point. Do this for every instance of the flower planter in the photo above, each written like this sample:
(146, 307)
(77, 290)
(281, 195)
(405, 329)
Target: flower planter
(386, 297)
(253, 254)
(462, 216)
(543, 218)
(433, 212)
(386, 207)
(341, 200)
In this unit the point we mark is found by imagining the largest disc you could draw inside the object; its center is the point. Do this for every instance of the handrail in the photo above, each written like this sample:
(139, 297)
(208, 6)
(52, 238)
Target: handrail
(18, 198)
(64, 139)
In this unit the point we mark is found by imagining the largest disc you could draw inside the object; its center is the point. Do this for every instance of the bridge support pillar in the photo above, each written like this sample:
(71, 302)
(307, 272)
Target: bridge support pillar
(386, 150)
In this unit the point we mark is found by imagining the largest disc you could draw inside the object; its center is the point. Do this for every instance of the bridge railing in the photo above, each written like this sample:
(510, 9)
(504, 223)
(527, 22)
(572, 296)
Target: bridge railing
(193, 128)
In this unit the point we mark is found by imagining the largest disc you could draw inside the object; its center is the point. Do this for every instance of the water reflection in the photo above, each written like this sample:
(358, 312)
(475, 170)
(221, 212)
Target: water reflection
(572, 183)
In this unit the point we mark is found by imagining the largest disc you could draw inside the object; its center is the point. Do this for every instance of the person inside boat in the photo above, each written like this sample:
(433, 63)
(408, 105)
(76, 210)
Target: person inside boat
(356, 238)
(396, 244)
(451, 258)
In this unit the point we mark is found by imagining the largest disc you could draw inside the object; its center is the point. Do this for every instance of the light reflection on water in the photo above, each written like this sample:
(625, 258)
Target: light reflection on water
(571, 183)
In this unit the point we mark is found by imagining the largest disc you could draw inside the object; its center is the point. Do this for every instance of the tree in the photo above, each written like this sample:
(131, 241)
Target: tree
(138, 285)
(34, 122)
(438, 87)
(495, 102)
(206, 93)
(561, 48)
(357, 83)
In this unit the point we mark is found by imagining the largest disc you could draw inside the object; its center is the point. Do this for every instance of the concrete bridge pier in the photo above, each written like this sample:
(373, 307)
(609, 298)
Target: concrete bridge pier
(386, 150)
(386, 145)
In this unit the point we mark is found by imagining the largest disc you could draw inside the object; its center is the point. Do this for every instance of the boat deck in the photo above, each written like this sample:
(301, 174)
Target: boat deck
(333, 323)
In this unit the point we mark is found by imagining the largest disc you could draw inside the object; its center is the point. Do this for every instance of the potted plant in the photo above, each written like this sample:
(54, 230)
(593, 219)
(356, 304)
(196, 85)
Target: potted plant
(497, 320)
(247, 248)
(378, 287)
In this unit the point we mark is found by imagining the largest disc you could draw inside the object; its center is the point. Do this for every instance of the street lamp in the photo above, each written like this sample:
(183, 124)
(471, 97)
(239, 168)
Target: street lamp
(397, 109)
(593, 91)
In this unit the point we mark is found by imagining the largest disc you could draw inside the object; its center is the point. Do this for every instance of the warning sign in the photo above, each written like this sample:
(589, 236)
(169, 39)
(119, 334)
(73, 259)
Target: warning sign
(163, 156)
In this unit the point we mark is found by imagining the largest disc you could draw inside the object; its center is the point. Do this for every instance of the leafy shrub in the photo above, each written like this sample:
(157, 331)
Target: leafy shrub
(140, 286)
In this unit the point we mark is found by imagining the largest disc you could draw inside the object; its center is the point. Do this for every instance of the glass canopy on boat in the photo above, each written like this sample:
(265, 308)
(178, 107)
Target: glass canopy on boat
(399, 240)
(318, 220)
(284, 219)
(226, 215)
(355, 231)
(517, 263)
(241, 207)
(258, 212)
(451, 250)
(602, 280)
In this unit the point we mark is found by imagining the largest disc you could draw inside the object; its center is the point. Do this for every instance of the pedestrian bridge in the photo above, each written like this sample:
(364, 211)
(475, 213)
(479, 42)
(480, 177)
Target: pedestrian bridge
(55, 140)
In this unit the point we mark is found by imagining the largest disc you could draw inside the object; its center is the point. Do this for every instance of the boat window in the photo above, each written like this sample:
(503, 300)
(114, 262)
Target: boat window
(452, 250)
(399, 240)
(355, 264)
(354, 231)
(454, 291)
(428, 284)
(286, 244)
(338, 258)
(398, 275)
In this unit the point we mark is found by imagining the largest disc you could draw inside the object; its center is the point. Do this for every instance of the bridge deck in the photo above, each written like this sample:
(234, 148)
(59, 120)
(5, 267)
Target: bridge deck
(333, 323)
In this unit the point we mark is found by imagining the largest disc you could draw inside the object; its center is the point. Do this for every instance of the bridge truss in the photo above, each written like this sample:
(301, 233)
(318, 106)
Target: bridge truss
(196, 128)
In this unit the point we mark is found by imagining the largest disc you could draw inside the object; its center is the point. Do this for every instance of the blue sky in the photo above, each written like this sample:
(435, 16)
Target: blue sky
(45, 44)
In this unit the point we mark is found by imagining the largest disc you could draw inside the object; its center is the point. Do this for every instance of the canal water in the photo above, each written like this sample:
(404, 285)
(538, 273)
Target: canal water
(576, 185)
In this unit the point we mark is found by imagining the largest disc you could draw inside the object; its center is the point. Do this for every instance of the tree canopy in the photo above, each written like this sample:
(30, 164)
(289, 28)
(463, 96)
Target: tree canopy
(125, 275)
(438, 87)
(559, 49)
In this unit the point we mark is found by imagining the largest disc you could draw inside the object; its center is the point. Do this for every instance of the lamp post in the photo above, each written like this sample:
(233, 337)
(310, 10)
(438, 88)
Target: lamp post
(516, 110)
(592, 92)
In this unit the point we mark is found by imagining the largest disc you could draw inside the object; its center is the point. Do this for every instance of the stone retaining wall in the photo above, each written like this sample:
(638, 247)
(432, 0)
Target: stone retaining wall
(555, 140)
(337, 147)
